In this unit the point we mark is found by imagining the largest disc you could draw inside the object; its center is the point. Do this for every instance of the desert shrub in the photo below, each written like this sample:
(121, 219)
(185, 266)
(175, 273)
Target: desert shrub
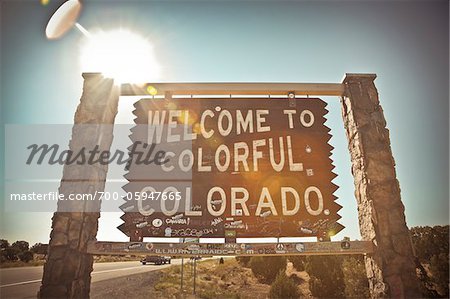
(39, 248)
(429, 241)
(326, 277)
(11, 254)
(21, 246)
(266, 268)
(26, 256)
(439, 266)
(355, 278)
(4, 244)
(298, 262)
(283, 287)
(431, 247)
(243, 260)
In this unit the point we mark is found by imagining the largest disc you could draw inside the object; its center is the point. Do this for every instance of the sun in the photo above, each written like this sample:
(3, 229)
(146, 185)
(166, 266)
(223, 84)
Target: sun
(120, 54)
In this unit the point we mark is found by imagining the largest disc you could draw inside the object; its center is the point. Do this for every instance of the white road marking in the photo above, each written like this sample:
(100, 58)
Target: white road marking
(97, 272)
(106, 271)
(19, 283)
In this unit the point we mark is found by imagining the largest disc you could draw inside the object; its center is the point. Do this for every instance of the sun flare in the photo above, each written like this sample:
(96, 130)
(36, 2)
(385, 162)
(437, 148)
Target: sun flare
(120, 54)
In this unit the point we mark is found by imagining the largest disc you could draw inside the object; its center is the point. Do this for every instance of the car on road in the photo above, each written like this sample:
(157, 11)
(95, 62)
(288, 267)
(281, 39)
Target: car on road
(155, 259)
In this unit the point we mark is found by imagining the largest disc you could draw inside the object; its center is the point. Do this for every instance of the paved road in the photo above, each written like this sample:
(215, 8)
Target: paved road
(24, 282)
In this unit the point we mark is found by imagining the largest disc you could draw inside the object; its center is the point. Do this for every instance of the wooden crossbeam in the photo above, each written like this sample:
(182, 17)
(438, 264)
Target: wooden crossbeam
(230, 249)
(316, 89)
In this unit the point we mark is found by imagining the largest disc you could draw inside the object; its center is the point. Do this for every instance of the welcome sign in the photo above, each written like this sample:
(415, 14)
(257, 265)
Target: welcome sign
(231, 167)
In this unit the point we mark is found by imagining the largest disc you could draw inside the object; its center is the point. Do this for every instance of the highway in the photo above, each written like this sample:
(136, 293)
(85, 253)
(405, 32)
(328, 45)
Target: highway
(24, 282)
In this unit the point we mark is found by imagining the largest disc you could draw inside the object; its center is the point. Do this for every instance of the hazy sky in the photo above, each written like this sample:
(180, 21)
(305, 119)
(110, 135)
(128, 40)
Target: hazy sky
(404, 42)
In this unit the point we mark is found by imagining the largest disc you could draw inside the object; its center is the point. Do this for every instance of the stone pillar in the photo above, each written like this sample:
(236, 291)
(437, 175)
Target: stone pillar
(67, 272)
(391, 268)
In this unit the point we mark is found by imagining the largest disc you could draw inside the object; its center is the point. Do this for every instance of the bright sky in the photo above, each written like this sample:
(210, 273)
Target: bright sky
(404, 42)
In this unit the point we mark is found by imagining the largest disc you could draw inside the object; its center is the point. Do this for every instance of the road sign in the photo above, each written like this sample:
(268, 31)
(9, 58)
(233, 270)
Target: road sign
(216, 168)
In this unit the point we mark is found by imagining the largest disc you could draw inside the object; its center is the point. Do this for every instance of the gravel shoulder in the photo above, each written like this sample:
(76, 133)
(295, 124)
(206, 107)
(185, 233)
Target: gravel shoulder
(133, 286)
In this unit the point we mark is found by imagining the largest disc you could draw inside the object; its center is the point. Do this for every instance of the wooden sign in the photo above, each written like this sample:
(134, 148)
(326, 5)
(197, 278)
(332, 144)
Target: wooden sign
(230, 168)
(233, 249)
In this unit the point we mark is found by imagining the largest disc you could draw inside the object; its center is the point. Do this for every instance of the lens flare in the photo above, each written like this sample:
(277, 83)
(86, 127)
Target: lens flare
(44, 2)
(190, 117)
(171, 106)
(196, 128)
(152, 90)
(120, 54)
(331, 233)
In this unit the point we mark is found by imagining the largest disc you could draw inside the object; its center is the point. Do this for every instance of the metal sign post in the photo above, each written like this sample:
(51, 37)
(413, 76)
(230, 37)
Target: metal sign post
(195, 272)
(181, 281)
(182, 269)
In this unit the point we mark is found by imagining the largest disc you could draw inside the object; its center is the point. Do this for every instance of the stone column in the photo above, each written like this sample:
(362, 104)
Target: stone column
(391, 268)
(67, 272)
